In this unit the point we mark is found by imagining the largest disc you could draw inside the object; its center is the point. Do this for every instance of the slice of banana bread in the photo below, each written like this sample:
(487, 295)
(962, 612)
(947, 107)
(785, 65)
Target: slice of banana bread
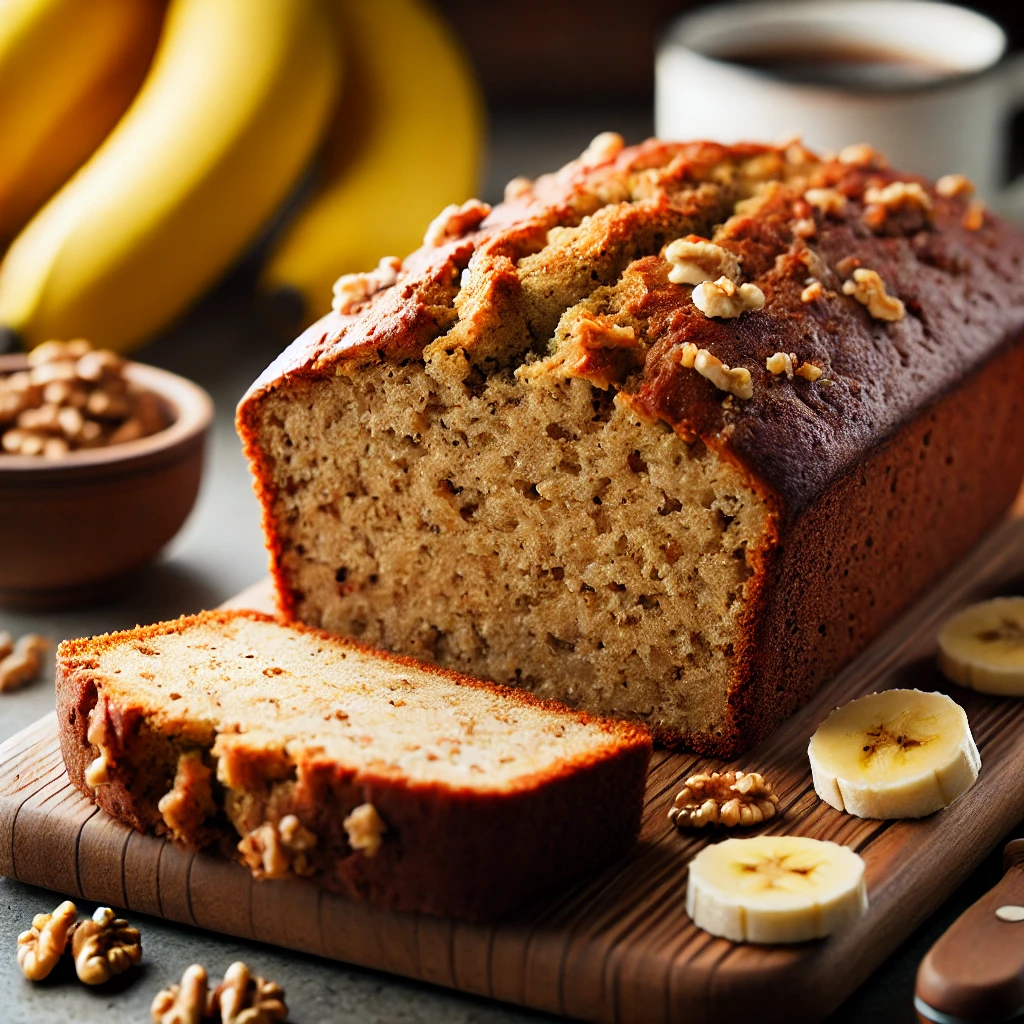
(670, 434)
(395, 782)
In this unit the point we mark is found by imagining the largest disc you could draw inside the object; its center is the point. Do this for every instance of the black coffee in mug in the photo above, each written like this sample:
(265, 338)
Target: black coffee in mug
(839, 65)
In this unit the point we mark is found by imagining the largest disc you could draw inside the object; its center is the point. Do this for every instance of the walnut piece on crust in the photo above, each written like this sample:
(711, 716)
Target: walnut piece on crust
(727, 799)
(723, 299)
(734, 380)
(696, 260)
(786, 362)
(189, 802)
(812, 292)
(860, 154)
(246, 998)
(603, 147)
(44, 943)
(352, 290)
(830, 201)
(454, 221)
(184, 1003)
(868, 288)
(104, 946)
(365, 830)
(275, 851)
(949, 186)
(905, 198)
(974, 216)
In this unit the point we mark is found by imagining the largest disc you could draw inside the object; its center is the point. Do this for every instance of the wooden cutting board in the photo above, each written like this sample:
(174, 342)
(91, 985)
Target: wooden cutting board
(619, 946)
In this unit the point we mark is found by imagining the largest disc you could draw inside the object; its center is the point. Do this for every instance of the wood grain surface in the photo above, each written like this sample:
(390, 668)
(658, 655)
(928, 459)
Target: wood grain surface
(618, 946)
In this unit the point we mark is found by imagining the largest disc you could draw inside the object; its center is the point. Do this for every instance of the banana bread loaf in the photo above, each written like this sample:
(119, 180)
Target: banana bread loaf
(669, 434)
(399, 783)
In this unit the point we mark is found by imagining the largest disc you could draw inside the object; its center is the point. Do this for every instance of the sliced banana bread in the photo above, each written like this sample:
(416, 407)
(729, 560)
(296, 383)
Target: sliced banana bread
(398, 783)
(669, 434)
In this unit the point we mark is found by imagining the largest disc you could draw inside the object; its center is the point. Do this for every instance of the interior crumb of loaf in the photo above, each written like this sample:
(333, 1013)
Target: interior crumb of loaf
(284, 688)
(541, 537)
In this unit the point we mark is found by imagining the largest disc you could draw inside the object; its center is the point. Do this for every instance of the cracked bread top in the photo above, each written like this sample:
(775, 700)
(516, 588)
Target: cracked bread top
(790, 310)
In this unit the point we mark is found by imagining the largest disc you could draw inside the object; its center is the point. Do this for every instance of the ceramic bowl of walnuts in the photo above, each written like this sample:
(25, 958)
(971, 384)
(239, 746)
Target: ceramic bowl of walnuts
(100, 462)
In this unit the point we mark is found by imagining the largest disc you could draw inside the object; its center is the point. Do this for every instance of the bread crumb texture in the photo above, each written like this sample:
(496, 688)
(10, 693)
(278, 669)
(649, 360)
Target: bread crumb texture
(561, 450)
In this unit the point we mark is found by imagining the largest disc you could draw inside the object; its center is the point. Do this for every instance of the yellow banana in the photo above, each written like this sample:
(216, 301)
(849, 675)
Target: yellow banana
(234, 105)
(68, 71)
(407, 141)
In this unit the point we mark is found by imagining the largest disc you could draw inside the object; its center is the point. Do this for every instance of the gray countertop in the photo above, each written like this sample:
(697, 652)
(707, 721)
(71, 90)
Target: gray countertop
(223, 345)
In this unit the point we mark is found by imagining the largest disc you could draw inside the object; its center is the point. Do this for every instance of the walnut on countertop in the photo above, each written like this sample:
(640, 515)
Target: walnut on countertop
(246, 998)
(20, 662)
(42, 946)
(727, 799)
(104, 946)
(184, 1003)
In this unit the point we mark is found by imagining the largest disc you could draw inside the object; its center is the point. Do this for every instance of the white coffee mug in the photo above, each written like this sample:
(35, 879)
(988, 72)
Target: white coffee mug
(955, 122)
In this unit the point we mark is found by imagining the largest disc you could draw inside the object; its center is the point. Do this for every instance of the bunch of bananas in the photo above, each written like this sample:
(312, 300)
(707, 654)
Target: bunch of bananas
(148, 143)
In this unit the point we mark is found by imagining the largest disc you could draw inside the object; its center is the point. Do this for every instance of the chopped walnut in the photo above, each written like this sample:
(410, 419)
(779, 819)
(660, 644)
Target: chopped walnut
(869, 290)
(898, 197)
(781, 362)
(104, 946)
(98, 772)
(74, 397)
(246, 998)
(729, 799)
(809, 371)
(365, 830)
(736, 381)
(274, 851)
(812, 292)
(722, 298)
(516, 188)
(830, 201)
(949, 186)
(189, 802)
(696, 260)
(804, 228)
(786, 362)
(974, 216)
(42, 946)
(860, 154)
(454, 221)
(602, 148)
(21, 663)
(184, 1003)
(351, 290)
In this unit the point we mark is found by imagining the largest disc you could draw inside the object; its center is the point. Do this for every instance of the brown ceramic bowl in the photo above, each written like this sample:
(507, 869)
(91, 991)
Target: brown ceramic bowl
(72, 528)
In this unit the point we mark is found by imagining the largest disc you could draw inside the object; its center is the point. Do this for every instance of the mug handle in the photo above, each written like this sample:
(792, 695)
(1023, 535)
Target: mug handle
(1010, 201)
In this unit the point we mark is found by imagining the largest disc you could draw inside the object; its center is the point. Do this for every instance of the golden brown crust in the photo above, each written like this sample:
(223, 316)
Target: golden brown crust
(452, 849)
(800, 443)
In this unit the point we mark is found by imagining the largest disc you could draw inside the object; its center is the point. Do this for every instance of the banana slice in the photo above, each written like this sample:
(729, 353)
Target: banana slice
(983, 647)
(775, 889)
(896, 754)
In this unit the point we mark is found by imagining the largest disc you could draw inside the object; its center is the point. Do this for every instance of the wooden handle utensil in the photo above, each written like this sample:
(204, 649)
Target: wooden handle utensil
(974, 974)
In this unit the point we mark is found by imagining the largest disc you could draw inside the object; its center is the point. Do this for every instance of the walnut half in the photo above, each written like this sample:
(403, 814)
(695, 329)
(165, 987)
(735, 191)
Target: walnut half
(727, 799)
(246, 998)
(44, 943)
(184, 1003)
(104, 946)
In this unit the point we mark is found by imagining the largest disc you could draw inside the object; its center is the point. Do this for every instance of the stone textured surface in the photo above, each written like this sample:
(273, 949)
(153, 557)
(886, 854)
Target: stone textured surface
(219, 553)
